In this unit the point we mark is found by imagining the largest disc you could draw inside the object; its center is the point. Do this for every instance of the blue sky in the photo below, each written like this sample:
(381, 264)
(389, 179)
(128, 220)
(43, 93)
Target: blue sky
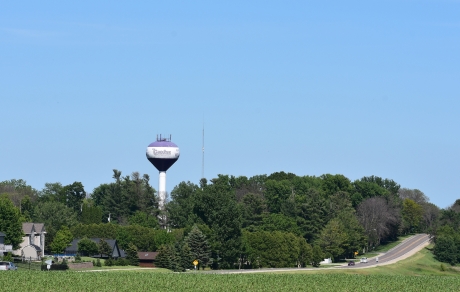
(357, 88)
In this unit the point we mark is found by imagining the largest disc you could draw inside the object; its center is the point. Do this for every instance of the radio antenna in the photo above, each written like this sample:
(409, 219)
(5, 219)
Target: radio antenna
(202, 159)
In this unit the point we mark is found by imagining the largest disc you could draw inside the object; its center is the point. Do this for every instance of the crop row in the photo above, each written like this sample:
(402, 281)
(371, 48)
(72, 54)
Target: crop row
(145, 281)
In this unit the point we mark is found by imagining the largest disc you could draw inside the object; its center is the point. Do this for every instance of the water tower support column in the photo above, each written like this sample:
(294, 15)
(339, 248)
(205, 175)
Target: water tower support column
(162, 189)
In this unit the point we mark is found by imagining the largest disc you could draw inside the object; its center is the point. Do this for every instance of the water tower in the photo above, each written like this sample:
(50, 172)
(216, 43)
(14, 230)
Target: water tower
(162, 154)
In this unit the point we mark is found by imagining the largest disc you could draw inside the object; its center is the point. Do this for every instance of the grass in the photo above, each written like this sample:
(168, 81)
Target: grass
(421, 264)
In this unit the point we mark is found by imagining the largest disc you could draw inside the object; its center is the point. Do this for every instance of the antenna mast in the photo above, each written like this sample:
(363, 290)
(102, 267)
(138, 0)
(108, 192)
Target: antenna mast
(202, 159)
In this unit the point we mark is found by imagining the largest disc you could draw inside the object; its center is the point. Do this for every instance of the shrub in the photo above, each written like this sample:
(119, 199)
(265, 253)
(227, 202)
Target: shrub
(98, 263)
(64, 264)
(121, 262)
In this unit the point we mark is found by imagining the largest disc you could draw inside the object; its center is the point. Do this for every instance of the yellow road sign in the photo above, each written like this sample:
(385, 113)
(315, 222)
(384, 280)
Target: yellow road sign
(195, 262)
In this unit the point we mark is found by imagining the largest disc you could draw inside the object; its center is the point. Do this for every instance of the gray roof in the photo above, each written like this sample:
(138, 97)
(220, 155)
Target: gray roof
(29, 227)
(73, 248)
(2, 234)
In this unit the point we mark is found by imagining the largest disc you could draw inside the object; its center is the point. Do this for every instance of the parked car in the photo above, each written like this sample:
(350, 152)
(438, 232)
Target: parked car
(351, 263)
(7, 266)
(363, 260)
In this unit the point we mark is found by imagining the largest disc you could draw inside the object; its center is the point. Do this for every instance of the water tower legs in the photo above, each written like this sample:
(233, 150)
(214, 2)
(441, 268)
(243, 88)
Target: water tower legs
(162, 189)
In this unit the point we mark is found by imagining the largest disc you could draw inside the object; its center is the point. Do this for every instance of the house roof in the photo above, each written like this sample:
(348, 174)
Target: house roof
(147, 255)
(29, 227)
(74, 245)
(2, 234)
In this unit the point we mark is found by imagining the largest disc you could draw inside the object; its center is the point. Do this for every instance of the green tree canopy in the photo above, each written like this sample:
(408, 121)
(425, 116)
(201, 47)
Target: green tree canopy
(412, 213)
(131, 255)
(199, 246)
(87, 247)
(104, 248)
(62, 240)
(333, 239)
(10, 222)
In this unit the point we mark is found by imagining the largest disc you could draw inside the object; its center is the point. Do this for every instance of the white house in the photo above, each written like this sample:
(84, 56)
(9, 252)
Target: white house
(33, 243)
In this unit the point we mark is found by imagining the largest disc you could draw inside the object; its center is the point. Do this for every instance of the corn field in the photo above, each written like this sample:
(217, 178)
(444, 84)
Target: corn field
(145, 281)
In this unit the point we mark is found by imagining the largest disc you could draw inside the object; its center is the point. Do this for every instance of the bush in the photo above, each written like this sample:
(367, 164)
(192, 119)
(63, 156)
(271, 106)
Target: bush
(109, 262)
(77, 258)
(121, 262)
(8, 257)
(98, 263)
(64, 264)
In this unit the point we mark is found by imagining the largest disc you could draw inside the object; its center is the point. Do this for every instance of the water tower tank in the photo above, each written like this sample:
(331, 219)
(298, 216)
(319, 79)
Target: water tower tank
(162, 154)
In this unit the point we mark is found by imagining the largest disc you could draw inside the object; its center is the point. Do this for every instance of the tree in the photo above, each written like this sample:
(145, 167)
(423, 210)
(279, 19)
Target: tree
(10, 222)
(415, 195)
(131, 255)
(168, 258)
(446, 250)
(186, 256)
(54, 215)
(74, 195)
(199, 246)
(143, 219)
(356, 238)
(17, 190)
(412, 214)
(62, 240)
(104, 248)
(52, 192)
(305, 253)
(216, 207)
(26, 208)
(90, 213)
(317, 256)
(180, 208)
(87, 247)
(253, 206)
(333, 239)
(377, 219)
(278, 222)
(431, 215)
(311, 213)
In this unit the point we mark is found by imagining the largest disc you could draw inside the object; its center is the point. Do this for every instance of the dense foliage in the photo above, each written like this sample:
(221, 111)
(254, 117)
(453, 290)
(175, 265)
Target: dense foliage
(276, 220)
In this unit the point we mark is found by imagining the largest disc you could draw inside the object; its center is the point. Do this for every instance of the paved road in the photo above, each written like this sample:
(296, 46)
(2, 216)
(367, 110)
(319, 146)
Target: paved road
(407, 247)
(395, 253)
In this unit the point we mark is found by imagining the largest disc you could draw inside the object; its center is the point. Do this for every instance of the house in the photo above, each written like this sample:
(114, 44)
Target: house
(4, 248)
(33, 243)
(116, 251)
(147, 258)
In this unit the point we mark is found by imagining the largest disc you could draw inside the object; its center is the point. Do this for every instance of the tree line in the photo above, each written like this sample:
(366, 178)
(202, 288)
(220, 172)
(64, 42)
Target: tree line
(272, 220)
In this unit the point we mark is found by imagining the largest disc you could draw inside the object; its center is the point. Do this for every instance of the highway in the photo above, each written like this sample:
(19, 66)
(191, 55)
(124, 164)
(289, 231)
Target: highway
(411, 244)
(406, 248)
